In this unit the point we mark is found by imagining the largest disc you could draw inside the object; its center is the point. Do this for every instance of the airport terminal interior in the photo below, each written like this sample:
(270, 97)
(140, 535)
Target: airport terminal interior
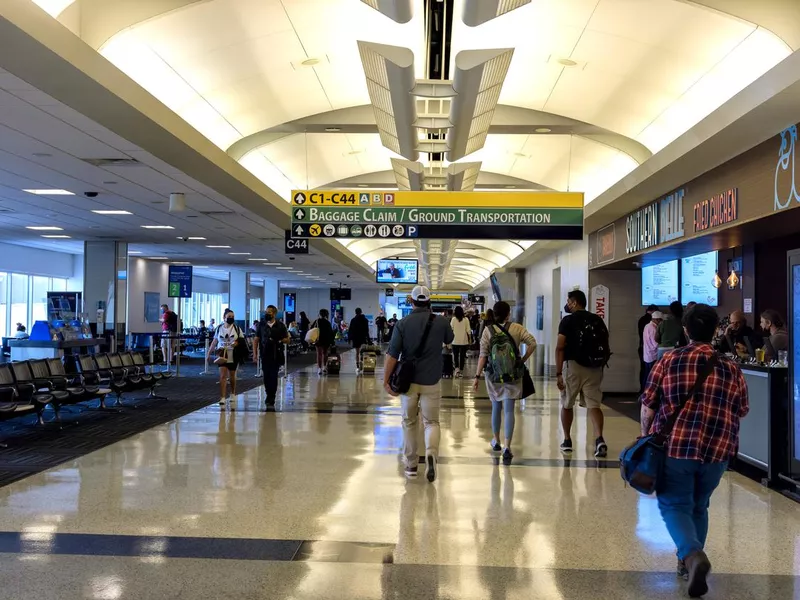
(224, 223)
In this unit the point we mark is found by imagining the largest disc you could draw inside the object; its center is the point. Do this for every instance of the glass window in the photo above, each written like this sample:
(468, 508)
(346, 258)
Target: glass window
(39, 289)
(58, 284)
(19, 300)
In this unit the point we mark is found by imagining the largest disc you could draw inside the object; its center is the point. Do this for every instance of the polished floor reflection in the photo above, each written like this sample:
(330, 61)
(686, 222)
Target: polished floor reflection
(309, 502)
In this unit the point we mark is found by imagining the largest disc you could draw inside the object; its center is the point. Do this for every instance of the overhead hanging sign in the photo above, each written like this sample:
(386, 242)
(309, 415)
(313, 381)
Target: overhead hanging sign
(437, 215)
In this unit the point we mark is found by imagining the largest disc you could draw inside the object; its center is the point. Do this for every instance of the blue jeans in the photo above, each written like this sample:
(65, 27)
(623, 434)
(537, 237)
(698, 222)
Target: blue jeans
(498, 407)
(684, 493)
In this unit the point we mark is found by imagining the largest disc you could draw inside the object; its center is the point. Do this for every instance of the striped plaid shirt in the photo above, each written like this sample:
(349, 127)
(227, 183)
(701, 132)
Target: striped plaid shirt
(708, 427)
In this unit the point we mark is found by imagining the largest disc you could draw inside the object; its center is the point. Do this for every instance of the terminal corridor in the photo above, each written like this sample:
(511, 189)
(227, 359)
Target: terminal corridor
(309, 502)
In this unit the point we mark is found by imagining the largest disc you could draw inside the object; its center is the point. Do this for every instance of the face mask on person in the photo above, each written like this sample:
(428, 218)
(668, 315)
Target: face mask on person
(230, 320)
(270, 316)
(566, 308)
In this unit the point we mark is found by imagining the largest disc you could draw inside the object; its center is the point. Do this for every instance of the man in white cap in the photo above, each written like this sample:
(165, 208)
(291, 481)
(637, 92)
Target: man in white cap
(650, 344)
(420, 335)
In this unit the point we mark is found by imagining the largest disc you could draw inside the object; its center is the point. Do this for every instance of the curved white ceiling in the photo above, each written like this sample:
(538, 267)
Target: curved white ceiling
(646, 70)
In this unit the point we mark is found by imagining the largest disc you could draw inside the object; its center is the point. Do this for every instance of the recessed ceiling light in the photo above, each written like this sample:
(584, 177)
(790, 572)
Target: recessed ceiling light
(510, 187)
(284, 268)
(273, 265)
(363, 185)
(156, 258)
(57, 237)
(217, 246)
(157, 227)
(310, 62)
(44, 228)
(42, 154)
(333, 129)
(191, 238)
(543, 130)
(49, 192)
(240, 253)
(259, 259)
(133, 252)
(566, 62)
(179, 262)
(112, 212)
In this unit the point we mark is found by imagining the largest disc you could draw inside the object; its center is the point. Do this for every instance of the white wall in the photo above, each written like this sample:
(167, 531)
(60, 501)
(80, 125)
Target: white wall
(75, 283)
(207, 285)
(573, 262)
(34, 261)
(145, 276)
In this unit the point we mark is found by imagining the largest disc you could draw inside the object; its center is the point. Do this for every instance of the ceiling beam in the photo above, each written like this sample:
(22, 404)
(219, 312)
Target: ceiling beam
(507, 120)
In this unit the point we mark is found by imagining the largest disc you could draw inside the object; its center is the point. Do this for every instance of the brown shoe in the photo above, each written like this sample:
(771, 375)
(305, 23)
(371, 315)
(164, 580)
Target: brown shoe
(699, 566)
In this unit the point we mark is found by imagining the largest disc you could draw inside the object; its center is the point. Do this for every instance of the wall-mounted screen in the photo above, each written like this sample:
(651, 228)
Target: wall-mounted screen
(660, 283)
(397, 271)
(697, 276)
(495, 287)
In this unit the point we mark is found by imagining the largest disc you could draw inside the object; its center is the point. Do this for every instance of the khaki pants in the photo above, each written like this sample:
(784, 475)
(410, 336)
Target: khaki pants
(584, 382)
(425, 399)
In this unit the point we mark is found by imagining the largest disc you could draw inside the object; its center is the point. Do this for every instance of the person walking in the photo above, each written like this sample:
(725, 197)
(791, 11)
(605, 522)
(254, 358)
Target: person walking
(644, 320)
(325, 339)
(424, 394)
(271, 335)
(228, 342)
(504, 388)
(462, 333)
(358, 334)
(650, 345)
(169, 328)
(302, 327)
(705, 436)
(380, 327)
(582, 352)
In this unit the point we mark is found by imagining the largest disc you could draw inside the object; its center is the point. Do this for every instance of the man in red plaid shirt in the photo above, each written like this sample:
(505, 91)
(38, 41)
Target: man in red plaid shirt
(705, 436)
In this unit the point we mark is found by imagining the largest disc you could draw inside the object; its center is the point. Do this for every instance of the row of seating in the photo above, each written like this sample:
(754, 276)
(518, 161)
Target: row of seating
(28, 387)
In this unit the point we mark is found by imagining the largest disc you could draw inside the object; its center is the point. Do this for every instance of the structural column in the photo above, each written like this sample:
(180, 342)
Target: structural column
(239, 295)
(272, 292)
(105, 285)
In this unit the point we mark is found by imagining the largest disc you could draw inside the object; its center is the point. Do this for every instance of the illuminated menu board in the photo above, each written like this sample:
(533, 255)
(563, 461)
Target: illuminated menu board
(697, 277)
(660, 283)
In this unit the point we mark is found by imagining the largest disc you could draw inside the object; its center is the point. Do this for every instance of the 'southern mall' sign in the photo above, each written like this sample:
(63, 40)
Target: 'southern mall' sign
(442, 215)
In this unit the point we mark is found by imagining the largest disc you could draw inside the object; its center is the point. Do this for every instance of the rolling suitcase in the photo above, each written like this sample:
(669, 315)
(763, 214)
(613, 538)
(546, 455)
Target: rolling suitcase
(334, 364)
(368, 361)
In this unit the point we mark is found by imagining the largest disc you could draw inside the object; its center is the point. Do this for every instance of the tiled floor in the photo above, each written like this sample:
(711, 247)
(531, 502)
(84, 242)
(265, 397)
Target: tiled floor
(248, 504)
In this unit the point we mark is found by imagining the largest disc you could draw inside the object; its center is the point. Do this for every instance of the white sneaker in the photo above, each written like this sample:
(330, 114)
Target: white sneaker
(222, 401)
(319, 371)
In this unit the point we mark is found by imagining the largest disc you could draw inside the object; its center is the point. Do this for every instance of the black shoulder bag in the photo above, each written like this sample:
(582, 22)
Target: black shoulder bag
(640, 464)
(528, 389)
(403, 375)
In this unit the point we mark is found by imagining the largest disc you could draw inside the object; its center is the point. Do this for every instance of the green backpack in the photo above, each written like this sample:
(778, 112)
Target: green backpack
(503, 364)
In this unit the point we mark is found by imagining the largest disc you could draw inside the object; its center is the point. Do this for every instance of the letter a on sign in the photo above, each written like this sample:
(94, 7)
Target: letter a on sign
(363, 198)
(599, 302)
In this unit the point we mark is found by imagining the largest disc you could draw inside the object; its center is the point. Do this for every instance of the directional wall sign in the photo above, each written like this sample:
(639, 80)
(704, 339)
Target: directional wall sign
(294, 246)
(437, 215)
(180, 282)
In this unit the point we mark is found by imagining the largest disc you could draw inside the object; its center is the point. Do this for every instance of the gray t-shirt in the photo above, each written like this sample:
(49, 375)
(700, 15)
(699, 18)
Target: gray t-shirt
(407, 337)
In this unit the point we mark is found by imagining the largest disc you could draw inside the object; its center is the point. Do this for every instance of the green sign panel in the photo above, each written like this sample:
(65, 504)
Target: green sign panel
(437, 215)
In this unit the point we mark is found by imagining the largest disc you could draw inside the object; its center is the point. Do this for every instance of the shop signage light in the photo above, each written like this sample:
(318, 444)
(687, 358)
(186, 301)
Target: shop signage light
(717, 210)
(656, 223)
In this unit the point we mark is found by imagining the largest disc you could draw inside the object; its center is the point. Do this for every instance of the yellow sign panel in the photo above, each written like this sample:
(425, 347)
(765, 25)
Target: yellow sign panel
(437, 199)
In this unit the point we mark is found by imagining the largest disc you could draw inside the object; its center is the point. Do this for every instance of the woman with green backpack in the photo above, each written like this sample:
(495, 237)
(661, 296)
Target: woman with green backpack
(505, 370)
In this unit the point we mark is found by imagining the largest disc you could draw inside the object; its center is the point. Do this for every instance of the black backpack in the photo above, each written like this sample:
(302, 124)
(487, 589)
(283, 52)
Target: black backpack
(592, 347)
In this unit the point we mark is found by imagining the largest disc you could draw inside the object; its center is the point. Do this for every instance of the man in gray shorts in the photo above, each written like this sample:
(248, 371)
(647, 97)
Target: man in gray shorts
(581, 355)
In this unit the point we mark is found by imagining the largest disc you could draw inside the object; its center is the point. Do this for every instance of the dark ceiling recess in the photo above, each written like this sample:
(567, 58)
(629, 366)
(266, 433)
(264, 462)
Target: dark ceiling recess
(438, 35)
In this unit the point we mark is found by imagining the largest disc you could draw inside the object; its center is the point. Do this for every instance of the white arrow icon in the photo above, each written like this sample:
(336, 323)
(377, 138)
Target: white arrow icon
(299, 214)
(298, 230)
